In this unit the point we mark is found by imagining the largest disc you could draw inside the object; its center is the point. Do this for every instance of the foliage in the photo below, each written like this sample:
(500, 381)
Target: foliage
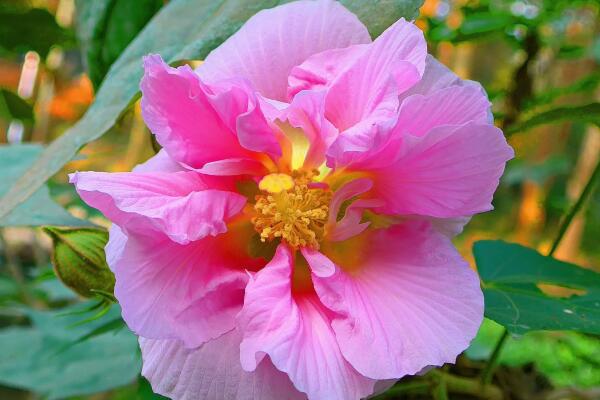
(23, 29)
(14, 107)
(46, 359)
(585, 113)
(566, 358)
(510, 273)
(106, 27)
(39, 209)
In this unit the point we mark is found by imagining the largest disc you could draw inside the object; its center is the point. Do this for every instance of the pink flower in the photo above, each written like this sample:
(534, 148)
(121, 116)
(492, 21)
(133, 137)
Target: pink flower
(292, 238)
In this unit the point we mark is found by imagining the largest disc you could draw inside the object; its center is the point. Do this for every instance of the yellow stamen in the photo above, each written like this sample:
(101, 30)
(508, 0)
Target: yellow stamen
(294, 213)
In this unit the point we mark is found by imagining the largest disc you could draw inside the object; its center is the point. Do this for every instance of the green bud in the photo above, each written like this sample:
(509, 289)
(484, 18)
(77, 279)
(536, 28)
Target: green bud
(79, 259)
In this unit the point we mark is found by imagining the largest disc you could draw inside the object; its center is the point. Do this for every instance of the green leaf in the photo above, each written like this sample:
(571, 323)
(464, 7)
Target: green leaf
(587, 84)
(9, 289)
(113, 325)
(481, 24)
(34, 29)
(106, 27)
(182, 30)
(14, 107)
(79, 259)
(586, 113)
(378, 15)
(521, 170)
(39, 358)
(39, 209)
(510, 274)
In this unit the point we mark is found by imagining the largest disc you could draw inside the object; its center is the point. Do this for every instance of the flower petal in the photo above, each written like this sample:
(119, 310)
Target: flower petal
(436, 77)
(198, 123)
(391, 64)
(350, 224)
(170, 291)
(160, 162)
(454, 105)
(452, 171)
(307, 113)
(273, 41)
(238, 106)
(211, 372)
(411, 300)
(295, 331)
(181, 204)
(319, 70)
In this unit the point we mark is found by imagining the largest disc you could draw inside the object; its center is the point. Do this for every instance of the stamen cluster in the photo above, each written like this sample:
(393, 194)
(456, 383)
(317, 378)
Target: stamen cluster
(296, 215)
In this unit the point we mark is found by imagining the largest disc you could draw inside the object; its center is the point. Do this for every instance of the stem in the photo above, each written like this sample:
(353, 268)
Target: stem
(587, 190)
(440, 388)
(488, 371)
(401, 388)
(467, 386)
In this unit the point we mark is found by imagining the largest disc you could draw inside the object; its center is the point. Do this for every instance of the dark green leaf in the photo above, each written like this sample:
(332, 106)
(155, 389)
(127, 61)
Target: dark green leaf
(510, 273)
(113, 325)
(378, 15)
(14, 107)
(571, 51)
(587, 84)
(39, 209)
(79, 259)
(106, 27)
(481, 23)
(35, 358)
(183, 29)
(586, 113)
(34, 29)
(520, 170)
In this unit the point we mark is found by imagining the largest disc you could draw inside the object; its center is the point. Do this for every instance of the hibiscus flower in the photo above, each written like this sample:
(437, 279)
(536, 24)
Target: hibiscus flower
(292, 239)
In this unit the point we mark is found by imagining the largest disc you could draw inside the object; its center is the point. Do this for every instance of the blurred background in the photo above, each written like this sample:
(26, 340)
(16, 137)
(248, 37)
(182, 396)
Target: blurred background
(534, 57)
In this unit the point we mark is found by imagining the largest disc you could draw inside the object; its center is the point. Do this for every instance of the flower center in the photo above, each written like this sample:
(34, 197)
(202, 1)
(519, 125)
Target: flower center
(290, 209)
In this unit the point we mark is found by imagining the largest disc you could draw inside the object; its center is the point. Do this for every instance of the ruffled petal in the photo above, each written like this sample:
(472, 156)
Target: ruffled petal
(181, 205)
(238, 106)
(306, 112)
(454, 105)
(436, 77)
(273, 41)
(170, 291)
(452, 171)
(369, 88)
(211, 372)
(411, 300)
(198, 123)
(351, 222)
(160, 162)
(295, 331)
(320, 70)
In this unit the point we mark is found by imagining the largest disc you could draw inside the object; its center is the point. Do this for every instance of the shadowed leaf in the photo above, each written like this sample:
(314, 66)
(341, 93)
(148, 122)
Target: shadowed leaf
(510, 274)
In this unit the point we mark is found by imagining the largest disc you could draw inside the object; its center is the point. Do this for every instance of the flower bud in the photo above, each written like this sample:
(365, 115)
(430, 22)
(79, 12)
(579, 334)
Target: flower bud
(79, 260)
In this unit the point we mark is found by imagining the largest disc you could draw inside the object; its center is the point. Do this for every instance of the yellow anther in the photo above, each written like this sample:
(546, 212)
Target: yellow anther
(275, 183)
(294, 212)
